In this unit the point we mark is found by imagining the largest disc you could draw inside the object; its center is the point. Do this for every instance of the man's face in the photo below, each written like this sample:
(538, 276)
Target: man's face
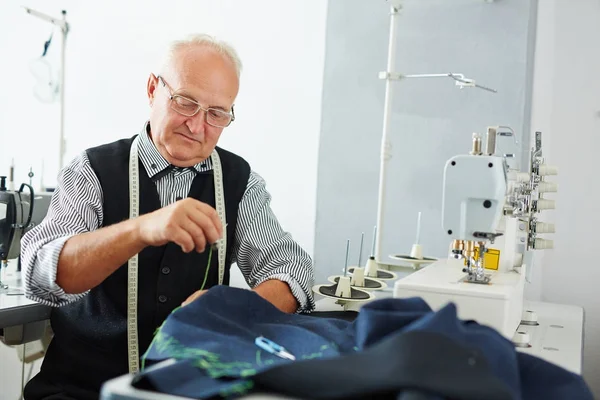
(203, 76)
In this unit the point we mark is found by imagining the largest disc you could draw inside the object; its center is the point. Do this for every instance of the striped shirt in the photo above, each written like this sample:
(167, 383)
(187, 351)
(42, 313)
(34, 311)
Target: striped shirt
(261, 248)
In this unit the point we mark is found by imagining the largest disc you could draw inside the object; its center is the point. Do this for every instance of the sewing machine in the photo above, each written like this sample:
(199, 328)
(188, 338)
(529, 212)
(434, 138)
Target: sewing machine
(490, 216)
(20, 211)
(21, 320)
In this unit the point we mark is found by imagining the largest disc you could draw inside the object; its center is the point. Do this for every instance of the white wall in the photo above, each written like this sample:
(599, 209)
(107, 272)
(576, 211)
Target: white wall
(566, 108)
(112, 48)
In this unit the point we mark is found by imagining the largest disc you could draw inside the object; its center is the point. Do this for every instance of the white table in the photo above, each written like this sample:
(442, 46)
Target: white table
(21, 317)
(559, 336)
(557, 339)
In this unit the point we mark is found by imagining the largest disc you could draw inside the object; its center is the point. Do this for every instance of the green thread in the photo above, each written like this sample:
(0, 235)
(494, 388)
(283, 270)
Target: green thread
(156, 331)
(320, 353)
(210, 362)
(248, 372)
(237, 388)
(258, 360)
(206, 360)
(207, 268)
(313, 355)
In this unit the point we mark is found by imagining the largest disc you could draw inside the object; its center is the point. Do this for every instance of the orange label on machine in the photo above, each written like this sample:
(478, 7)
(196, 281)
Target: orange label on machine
(491, 259)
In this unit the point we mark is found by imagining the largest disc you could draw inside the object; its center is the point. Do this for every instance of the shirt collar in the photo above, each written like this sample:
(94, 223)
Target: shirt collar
(153, 162)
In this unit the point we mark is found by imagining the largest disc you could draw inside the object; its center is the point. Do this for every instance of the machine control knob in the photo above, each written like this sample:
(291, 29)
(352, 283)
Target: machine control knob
(545, 204)
(543, 244)
(546, 170)
(548, 187)
(521, 339)
(544, 227)
(2, 184)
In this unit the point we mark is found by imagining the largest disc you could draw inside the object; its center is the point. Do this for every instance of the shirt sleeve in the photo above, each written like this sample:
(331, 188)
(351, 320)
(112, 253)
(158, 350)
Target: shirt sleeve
(75, 207)
(263, 250)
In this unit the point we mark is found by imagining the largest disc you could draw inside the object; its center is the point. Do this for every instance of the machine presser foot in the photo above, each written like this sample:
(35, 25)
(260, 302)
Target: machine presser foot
(474, 278)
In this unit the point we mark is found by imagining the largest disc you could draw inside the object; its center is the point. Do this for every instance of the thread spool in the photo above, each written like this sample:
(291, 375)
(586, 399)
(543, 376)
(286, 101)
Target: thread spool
(543, 244)
(547, 170)
(544, 227)
(545, 204)
(547, 187)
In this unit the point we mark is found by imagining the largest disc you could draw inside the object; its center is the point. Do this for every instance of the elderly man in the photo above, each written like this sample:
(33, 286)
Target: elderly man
(143, 225)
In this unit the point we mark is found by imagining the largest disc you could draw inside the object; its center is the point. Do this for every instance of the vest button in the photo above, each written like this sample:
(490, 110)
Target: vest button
(162, 298)
(165, 270)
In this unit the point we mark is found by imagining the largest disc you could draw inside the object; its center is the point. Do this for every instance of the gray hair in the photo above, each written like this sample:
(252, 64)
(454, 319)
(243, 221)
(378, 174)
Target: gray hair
(203, 39)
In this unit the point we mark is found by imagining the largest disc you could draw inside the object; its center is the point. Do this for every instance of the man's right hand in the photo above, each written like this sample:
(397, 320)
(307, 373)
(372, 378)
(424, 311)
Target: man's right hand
(188, 223)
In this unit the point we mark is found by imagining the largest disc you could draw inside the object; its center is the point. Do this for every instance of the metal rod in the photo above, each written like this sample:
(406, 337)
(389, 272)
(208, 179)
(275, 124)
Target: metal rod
(64, 28)
(386, 145)
(374, 240)
(460, 78)
(61, 143)
(447, 75)
(362, 237)
(347, 251)
(418, 229)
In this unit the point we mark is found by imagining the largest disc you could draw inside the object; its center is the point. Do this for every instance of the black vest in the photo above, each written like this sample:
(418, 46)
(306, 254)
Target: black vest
(90, 342)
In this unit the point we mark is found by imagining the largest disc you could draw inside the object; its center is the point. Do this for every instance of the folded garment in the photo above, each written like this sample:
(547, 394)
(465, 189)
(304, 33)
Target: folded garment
(393, 349)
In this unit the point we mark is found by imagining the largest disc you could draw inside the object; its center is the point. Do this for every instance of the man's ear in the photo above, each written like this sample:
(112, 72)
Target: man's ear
(151, 88)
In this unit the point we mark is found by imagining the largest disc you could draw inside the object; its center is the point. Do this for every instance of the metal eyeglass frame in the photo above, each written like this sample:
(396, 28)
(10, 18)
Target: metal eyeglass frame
(199, 107)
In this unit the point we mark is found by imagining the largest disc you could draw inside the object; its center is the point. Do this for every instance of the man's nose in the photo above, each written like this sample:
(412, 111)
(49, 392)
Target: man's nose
(197, 123)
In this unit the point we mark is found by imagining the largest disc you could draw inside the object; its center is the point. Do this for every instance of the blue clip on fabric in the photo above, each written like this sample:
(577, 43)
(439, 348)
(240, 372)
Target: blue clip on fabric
(273, 348)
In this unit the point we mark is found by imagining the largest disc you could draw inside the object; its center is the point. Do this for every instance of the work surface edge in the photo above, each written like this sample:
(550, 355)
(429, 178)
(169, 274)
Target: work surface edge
(16, 309)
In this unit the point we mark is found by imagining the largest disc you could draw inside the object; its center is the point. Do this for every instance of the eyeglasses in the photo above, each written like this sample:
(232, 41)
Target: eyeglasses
(189, 108)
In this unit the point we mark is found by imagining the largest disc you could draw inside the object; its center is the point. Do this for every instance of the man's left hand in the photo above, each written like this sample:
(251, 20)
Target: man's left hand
(276, 292)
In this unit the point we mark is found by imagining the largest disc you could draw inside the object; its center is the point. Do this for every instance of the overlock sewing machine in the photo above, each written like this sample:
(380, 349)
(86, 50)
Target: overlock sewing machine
(20, 211)
(490, 215)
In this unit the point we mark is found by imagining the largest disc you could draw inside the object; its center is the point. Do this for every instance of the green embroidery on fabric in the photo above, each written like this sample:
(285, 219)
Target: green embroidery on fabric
(237, 388)
(211, 363)
(258, 360)
(206, 360)
(313, 355)
(319, 354)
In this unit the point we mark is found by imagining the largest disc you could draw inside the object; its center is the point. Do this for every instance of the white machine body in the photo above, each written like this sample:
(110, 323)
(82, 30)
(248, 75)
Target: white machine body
(474, 195)
(486, 206)
(499, 304)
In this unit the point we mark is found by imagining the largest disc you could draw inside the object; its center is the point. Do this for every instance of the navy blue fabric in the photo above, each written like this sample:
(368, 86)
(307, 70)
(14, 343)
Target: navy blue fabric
(430, 363)
(212, 343)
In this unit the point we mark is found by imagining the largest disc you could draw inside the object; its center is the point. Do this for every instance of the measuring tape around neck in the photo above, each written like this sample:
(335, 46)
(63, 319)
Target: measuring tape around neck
(132, 264)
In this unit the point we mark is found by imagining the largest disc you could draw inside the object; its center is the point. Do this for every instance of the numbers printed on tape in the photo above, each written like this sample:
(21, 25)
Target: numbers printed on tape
(132, 264)
(132, 268)
(220, 207)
